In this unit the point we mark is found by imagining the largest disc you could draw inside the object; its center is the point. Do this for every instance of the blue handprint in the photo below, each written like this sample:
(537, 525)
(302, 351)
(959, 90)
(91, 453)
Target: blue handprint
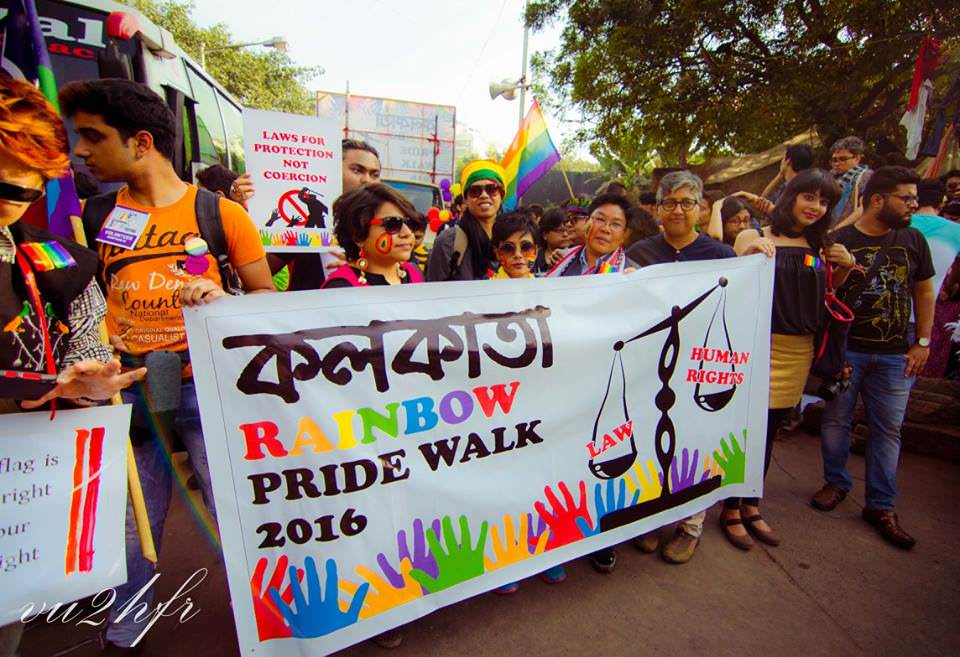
(615, 501)
(687, 476)
(303, 239)
(321, 614)
(421, 558)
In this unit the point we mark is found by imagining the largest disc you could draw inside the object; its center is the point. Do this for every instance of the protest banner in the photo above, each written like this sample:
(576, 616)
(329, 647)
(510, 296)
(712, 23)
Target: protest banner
(63, 502)
(295, 162)
(378, 453)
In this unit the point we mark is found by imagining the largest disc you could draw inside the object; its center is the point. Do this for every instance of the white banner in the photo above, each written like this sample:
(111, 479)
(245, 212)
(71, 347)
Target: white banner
(296, 166)
(401, 449)
(63, 494)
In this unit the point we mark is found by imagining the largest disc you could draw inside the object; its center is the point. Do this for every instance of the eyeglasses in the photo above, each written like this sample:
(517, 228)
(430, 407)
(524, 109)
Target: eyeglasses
(906, 199)
(670, 204)
(509, 248)
(18, 194)
(740, 222)
(476, 191)
(612, 224)
(393, 225)
(836, 159)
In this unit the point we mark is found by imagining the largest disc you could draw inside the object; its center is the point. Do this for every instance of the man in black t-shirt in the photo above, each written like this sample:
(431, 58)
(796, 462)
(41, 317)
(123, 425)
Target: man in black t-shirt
(883, 357)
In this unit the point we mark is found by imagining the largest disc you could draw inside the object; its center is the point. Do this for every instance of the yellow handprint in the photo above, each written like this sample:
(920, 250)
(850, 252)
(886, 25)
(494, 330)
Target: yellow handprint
(511, 550)
(712, 467)
(383, 595)
(649, 487)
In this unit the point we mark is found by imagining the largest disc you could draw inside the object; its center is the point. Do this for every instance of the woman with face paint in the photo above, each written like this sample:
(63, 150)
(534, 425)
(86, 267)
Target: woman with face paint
(797, 237)
(375, 226)
(514, 241)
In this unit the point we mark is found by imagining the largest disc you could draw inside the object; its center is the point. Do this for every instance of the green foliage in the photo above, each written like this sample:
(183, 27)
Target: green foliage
(266, 79)
(670, 80)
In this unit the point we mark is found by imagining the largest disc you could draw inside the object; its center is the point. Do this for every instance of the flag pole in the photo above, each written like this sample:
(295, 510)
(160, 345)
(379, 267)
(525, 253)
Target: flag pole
(565, 178)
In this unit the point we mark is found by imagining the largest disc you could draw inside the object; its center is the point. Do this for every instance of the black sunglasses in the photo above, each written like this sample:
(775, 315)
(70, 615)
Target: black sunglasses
(509, 248)
(393, 225)
(476, 191)
(18, 194)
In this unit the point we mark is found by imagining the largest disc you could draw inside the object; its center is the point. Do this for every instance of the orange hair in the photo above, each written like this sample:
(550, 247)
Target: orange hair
(31, 131)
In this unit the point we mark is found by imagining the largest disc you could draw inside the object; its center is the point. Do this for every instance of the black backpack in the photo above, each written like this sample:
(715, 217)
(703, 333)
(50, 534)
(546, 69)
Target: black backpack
(98, 208)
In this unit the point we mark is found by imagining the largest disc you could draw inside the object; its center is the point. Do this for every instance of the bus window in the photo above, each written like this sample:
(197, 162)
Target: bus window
(233, 120)
(212, 138)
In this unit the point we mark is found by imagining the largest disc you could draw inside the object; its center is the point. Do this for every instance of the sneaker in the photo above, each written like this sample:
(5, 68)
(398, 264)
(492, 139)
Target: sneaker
(507, 589)
(390, 639)
(648, 543)
(828, 497)
(554, 575)
(604, 561)
(680, 548)
(887, 524)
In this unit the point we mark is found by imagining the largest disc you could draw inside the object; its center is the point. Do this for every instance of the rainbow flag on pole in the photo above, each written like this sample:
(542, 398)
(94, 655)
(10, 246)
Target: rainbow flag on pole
(529, 157)
(25, 57)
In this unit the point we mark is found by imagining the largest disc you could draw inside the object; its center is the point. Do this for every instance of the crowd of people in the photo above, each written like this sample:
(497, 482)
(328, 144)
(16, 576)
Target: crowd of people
(862, 232)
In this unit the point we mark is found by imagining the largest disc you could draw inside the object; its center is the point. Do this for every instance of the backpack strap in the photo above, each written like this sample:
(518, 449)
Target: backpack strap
(461, 244)
(210, 224)
(96, 209)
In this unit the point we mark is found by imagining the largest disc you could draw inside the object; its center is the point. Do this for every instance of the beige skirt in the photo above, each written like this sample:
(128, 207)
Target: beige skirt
(790, 360)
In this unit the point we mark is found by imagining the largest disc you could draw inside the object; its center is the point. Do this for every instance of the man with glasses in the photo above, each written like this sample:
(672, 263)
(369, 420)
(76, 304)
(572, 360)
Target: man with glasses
(578, 210)
(883, 355)
(465, 253)
(678, 210)
(851, 174)
(605, 231)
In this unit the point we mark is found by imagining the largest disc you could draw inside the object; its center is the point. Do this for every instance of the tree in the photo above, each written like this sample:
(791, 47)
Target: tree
(680, 78)
(264, 80)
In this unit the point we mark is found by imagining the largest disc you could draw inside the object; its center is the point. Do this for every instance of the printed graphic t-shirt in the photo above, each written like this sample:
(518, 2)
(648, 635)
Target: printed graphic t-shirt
(143, 284)
(882, 312)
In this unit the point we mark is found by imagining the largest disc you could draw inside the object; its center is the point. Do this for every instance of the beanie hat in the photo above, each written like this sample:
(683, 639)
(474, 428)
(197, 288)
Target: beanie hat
(481, 170)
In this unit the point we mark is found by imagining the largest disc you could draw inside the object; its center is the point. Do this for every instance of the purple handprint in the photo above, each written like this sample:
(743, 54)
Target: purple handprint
(421, 558)
(533, 533)
(687, 476)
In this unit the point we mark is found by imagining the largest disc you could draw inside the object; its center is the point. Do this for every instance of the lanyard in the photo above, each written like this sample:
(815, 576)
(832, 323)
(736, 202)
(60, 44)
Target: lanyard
(31, 281)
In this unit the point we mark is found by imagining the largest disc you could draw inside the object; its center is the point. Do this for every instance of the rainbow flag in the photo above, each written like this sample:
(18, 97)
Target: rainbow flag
(25, 57)
(812, 261)
(529, 157)
(48, 255)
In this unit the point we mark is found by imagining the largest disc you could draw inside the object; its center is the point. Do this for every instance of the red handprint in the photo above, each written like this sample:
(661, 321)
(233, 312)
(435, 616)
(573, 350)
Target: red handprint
(289, 238)
(270, 624)
(563, 521)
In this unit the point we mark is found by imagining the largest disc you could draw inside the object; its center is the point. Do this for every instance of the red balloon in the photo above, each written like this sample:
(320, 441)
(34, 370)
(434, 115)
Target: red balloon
(433, 214)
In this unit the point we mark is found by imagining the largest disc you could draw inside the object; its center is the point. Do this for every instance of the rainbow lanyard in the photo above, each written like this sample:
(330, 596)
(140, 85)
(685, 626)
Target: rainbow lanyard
(31, 281)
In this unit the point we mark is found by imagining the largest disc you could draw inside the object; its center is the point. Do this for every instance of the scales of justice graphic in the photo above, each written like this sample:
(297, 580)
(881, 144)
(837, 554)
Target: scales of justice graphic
(610, 466)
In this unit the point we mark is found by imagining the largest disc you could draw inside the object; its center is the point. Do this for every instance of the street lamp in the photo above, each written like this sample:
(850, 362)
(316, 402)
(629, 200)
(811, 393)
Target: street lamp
(276, 42)
(508, 88)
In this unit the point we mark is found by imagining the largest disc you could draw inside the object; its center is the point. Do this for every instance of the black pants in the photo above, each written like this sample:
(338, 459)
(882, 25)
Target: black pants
(775, 419)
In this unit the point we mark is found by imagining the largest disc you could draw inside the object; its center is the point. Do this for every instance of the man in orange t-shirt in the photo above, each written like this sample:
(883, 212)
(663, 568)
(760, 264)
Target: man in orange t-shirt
(153, 263)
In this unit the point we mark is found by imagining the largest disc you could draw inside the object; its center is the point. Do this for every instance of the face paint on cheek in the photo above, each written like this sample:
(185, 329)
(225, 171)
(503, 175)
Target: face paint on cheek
(384, 244)
(587, 228)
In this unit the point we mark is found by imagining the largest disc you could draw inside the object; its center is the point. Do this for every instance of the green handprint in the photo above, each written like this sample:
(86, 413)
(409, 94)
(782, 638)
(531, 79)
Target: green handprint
(733, 461)
(459, 563)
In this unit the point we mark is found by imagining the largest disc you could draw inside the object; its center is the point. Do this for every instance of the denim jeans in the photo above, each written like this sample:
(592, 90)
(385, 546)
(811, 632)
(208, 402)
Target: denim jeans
(154, 466)
(879, 380)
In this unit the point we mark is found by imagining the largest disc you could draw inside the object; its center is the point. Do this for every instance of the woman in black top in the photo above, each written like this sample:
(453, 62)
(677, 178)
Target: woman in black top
(797, 237)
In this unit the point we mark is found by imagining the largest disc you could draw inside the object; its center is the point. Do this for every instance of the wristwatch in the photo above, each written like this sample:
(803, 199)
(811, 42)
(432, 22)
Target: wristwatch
(923, 342)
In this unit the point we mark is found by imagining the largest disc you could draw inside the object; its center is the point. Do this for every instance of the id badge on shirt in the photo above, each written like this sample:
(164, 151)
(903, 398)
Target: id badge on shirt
(123, 227)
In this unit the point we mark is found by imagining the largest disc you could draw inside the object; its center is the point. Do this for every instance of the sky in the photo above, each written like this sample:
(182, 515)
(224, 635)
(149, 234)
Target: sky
(433, 51)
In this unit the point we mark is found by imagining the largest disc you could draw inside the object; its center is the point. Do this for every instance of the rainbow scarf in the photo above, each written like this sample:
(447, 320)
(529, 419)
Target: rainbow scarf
(46, 256)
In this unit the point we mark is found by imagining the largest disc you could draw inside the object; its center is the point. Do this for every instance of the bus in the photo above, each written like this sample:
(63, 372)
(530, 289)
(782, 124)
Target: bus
(92, 39)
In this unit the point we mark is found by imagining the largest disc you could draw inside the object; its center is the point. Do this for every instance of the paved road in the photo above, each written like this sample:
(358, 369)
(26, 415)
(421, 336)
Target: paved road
(832, 588)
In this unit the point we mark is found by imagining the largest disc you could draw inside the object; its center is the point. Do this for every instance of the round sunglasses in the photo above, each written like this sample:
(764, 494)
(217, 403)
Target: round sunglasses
(509, 248)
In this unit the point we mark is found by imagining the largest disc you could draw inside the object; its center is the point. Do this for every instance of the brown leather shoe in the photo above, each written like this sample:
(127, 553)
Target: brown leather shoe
(767, 536)
(743, 541)
(886, 523)
(828, 497)
(648, 543)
